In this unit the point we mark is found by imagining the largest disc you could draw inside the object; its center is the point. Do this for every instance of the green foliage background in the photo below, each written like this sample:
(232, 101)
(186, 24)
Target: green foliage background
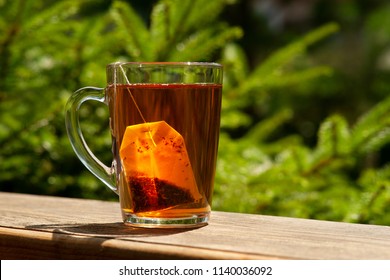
(305, 127)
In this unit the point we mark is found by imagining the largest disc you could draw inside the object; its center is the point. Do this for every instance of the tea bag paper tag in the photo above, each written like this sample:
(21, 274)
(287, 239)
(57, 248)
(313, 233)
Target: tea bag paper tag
(156, 150)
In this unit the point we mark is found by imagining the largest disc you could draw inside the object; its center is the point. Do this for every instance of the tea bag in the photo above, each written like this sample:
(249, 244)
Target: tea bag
(157, 168)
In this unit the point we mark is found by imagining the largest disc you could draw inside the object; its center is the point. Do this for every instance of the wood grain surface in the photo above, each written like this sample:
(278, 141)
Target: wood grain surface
(44, 227)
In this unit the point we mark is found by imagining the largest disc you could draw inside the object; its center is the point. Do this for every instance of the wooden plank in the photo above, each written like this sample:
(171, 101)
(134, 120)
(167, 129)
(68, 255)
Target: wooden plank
(43, 227)
(27, 244)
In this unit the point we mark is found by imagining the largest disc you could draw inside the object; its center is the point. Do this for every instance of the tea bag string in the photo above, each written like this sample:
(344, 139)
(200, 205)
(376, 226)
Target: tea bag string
(135, 103)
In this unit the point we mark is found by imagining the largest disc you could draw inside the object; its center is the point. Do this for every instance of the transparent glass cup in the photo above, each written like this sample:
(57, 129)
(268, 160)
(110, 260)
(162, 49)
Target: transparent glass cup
(164, 122)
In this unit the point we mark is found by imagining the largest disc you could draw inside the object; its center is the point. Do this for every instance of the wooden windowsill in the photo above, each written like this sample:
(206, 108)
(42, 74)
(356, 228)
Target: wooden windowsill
(44, 227)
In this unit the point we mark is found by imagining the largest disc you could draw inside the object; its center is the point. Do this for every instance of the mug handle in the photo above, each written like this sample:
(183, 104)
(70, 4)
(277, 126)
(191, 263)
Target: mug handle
(97, 168)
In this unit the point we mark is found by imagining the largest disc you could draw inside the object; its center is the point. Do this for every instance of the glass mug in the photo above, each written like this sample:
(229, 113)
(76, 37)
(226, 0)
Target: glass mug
(164, 121)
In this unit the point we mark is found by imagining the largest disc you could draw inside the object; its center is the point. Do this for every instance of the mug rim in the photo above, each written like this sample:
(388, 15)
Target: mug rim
(165, 63)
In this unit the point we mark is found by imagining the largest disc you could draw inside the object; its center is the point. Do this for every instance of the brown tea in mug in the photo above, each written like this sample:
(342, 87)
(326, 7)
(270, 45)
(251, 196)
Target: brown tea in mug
(165, 140)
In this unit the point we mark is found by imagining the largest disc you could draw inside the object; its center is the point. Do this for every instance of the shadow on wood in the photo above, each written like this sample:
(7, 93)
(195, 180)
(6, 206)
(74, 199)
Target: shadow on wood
(107, 230)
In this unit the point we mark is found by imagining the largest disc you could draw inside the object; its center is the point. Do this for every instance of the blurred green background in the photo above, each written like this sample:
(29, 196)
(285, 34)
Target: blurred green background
(305, 126)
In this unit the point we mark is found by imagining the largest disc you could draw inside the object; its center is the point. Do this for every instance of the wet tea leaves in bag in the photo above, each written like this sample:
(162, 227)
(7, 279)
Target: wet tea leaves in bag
(157, 167)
